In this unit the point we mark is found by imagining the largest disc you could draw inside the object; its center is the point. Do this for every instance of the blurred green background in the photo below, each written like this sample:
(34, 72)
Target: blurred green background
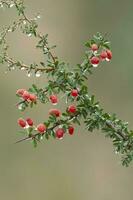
(83, 166)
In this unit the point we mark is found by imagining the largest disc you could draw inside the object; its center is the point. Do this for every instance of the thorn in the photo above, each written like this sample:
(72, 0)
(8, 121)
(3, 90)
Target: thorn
(23, 139)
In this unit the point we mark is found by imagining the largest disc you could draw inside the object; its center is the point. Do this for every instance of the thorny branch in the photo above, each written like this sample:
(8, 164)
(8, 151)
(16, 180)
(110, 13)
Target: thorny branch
(65, 79)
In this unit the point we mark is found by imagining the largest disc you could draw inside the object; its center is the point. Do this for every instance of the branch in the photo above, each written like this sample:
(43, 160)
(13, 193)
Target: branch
(59, 122)
(26, 67)
(61, 80)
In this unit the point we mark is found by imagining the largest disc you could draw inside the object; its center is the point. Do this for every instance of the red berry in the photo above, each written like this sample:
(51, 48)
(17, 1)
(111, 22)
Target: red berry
(29, 121)
(95, 61)
(59, 133)
(22, 122)
(94, 47)
(103, 55)
(109, 55)
(32, 97)
(53, 99)
(72, 109)
(41, 128)
(55, 112)
(20, 92)
(26, 95)
(74, 93)
(71, 130)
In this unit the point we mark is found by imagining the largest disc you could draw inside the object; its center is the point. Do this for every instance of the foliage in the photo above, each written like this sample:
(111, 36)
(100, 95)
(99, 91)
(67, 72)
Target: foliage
(63, 80)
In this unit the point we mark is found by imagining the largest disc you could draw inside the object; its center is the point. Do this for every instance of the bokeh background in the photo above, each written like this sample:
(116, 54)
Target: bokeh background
(83, 166)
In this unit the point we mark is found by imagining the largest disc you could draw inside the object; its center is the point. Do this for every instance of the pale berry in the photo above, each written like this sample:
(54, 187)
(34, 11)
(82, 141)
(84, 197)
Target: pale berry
(74, 93)
(53, 98)
(20, 92)
(95, 61)
(59, 133)
(103, 55)
(71, 130)
(32, 97)
(94, 47)
(26, 95)
(41, 128)
(72, 109)
(55, 112)
(29, 121)
(109, 55)
(22, 122)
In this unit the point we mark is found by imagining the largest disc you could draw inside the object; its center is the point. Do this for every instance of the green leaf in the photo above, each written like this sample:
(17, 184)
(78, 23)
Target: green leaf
(34, 141)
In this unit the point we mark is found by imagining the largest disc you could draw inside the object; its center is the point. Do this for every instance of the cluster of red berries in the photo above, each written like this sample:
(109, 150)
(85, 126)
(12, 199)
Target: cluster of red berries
(60, 132)
(41, 128)
(56, 112)
(24, 123)
(23, 93)
(104, 55)
(54, 99)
